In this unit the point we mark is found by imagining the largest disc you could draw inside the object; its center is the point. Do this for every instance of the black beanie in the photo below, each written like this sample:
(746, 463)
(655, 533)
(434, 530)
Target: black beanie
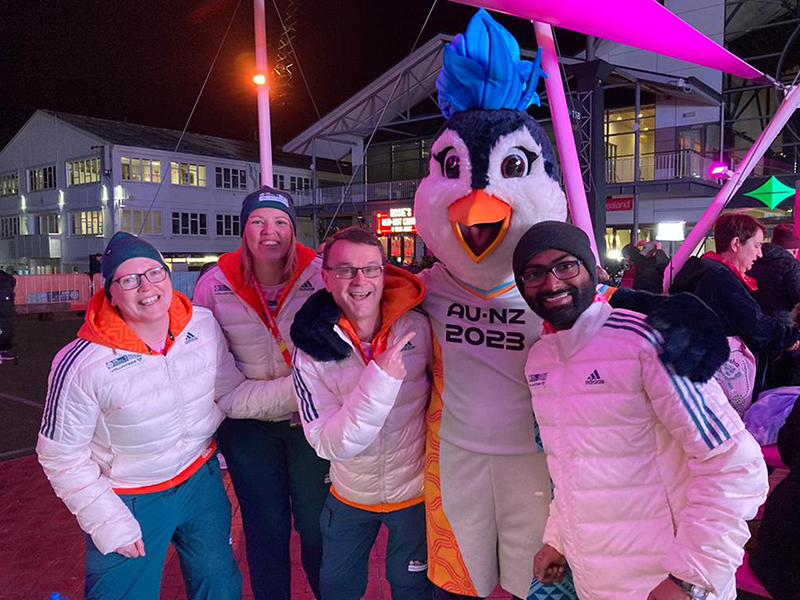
(553, 235)
(268, 197)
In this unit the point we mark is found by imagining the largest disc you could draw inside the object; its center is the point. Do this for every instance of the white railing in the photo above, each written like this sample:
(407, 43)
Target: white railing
(358, 193)
(661, 166)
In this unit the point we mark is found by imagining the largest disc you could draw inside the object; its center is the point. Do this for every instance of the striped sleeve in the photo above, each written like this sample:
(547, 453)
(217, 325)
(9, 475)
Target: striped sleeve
(60, 374)
(726, 474)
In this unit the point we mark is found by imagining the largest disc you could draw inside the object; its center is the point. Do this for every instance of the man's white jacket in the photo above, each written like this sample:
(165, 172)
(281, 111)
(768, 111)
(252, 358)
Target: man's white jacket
(119, 416)
(368, 424)
(234, 302)
(653, 474)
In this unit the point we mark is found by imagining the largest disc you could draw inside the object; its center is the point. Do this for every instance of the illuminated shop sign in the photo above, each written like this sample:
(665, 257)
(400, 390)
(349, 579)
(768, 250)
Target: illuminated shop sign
(397, 220)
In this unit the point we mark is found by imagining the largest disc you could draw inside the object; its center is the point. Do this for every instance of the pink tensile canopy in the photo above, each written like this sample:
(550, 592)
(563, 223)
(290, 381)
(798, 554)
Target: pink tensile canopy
(641, 23)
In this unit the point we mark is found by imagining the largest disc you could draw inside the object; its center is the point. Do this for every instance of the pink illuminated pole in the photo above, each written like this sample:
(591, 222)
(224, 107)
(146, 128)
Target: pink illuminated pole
(262, 98)
(565, 141)
(734, 182)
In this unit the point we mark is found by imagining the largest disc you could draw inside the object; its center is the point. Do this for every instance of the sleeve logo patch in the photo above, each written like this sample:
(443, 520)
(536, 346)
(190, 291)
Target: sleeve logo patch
(222, 290)
(123, 362)
(537, 380)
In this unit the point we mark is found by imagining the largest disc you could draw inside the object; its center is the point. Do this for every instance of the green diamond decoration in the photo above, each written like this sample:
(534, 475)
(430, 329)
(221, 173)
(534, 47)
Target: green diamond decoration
(772, 193)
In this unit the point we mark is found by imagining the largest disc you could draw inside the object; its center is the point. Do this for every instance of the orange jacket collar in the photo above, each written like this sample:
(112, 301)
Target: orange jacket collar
(231, 266)
(104, 325)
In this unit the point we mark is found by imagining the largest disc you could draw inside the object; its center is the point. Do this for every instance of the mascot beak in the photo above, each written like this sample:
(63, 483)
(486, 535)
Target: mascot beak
(480, 222)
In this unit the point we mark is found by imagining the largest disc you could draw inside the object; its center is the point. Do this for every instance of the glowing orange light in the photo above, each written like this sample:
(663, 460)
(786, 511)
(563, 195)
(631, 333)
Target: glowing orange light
(260, 79)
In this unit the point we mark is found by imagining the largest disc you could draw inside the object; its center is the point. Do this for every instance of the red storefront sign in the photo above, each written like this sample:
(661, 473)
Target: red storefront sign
(617, 204)
(397, 220)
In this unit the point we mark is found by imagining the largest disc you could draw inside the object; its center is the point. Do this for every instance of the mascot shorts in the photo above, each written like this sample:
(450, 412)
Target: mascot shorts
(195, 517)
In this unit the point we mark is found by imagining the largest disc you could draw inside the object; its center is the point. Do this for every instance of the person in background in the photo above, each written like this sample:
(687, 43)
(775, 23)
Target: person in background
(719, 279)
(654, 476)
(362, 361)
(649, 264)
(254, 293)
(777, 273)
(8, 284)
(775, 558)
(127, 436)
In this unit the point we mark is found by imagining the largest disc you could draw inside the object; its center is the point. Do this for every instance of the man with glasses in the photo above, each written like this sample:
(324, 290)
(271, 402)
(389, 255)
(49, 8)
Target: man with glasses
(654, 476)
(361, 368)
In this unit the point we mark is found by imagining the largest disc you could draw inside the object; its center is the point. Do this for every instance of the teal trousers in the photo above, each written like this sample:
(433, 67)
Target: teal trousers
(196, 518)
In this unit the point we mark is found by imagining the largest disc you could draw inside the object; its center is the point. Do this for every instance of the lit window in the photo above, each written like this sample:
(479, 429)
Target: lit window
(141, 169)
(184, 223)
(9, 184)
(83, 171)
(41, 178)
(188, 174)
(87, 222)
(228, 225)
(135, 221)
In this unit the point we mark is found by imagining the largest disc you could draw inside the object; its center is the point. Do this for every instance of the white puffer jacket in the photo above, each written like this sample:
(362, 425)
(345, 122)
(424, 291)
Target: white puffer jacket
(368, 424)
(653, 474)
(238, 311)
(124, 418)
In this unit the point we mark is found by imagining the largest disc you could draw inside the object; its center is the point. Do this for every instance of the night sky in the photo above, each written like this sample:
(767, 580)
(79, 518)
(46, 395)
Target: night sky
(145, 61)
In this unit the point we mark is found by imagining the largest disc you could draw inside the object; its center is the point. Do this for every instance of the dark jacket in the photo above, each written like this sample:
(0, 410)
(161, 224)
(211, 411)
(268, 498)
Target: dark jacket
(720, 288)
(648, 274)
(775, 559)
(778, 277)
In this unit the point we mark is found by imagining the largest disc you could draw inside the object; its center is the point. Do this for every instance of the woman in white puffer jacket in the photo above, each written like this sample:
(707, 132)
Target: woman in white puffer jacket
(254, 294)
(127, 433)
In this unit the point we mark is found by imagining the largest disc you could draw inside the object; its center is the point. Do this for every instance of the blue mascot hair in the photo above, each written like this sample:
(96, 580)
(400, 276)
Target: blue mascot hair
(482, 70)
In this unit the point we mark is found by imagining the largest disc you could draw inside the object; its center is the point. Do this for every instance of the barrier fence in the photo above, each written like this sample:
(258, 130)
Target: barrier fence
(72, 291)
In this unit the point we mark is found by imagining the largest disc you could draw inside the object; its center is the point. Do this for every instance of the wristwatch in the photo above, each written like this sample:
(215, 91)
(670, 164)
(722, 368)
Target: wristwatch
(695, 592)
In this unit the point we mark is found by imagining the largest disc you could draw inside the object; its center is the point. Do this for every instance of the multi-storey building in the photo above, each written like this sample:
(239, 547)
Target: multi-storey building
(68, 183)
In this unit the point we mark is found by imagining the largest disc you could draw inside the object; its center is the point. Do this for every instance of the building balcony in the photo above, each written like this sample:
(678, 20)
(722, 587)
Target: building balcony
(659, 166)
(38, 246)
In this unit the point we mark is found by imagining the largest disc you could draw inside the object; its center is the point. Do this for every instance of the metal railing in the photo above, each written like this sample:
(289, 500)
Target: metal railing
(659, 166)
(358, 193)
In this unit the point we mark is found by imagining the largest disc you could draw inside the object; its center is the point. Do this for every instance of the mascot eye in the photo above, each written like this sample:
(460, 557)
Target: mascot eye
(517, 163)
(452, 165)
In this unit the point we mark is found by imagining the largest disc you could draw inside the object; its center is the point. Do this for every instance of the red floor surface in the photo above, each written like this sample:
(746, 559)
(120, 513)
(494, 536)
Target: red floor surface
(42, 545)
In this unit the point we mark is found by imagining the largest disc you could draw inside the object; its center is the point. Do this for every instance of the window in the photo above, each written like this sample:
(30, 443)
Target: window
(47, 223)
(132, 221)
(188, 174)
(277, 181)
(141, 169)
(184, 223)
(41, 178)
(83, 171)
(231, 179)
(299, 183)
(228, 225)
(87, 222)
(9, 227)
(9, 184)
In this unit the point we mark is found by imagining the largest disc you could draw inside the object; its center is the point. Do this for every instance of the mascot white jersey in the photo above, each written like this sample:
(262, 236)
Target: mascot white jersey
(492, 176)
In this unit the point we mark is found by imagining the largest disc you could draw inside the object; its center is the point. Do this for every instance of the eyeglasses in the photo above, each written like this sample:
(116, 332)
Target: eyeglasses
(134, 280)
(567, 269)
(371, 271)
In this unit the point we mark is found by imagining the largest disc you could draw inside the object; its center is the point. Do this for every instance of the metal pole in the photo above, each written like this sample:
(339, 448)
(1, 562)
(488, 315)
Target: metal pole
(262, 91)
(562, 127)
(636, 149)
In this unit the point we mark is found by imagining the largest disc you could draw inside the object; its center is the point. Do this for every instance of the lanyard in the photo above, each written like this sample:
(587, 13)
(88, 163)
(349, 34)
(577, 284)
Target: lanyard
(272, 325)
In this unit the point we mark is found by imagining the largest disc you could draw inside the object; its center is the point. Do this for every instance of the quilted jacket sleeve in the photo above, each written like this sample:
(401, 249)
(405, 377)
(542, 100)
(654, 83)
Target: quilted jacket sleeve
(241, 398)
(552, 529)
(341, 427)
(68, 426)
(727, 476)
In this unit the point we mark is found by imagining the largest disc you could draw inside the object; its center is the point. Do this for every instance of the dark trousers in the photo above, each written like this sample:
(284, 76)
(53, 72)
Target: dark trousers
(196, 518)
(348, 535)
(276, 476)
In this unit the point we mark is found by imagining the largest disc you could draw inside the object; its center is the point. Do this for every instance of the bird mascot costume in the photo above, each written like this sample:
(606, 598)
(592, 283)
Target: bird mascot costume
(493, 175)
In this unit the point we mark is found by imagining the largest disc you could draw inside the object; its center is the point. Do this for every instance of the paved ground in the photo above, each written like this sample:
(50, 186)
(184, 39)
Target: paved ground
(42, 549)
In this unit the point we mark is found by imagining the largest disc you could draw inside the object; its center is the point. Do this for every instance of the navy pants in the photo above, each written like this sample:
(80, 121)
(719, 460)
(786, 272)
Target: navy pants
(276, 476)
(196, 517)
(348, 534)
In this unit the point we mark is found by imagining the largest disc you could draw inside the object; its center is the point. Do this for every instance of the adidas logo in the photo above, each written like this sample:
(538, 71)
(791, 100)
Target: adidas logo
(408, 346)
(190, 337)
(307, 287)
(594, 378)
